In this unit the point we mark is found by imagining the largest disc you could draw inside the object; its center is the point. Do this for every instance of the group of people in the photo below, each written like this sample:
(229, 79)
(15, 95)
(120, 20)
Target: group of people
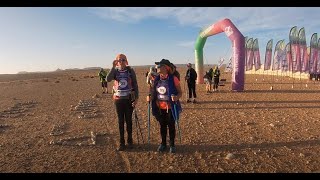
(164, 94)
(212, 76)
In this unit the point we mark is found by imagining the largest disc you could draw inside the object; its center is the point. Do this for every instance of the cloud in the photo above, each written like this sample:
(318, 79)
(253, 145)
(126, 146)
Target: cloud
(132, 14)
(264, 23)
(188, 44)
(246, 19)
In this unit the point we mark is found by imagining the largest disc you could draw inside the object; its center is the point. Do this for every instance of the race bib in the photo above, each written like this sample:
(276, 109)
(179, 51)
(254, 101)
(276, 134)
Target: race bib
(123, 83)
(163, 97)
(161, 90)
(122, 93)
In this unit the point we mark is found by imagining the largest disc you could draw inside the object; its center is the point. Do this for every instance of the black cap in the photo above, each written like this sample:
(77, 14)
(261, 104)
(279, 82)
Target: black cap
(164, 61)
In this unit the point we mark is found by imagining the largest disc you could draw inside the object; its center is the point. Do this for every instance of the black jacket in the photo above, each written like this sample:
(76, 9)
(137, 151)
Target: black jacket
(193, 75)
(210, 73)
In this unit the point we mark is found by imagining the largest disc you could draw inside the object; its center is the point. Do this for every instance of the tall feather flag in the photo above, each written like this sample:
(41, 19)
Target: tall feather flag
(256, 54)
(268, 55)
(313, 57)
(308, 56)
(318, 57)
(276, 56)
(289, 57)
(294, 39)
(245, 52)
(249, 54)
(303, 51)
(283, 57)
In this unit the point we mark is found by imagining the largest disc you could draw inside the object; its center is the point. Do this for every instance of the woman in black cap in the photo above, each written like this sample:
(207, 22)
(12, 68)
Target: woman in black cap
(166, 107)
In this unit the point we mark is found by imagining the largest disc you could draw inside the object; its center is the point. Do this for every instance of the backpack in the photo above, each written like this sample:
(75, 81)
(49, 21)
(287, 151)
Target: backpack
(175, 72)
(102, 75)
(207, 75)
(129, 69)
(172, 90)
(210, 73)
(216, 73)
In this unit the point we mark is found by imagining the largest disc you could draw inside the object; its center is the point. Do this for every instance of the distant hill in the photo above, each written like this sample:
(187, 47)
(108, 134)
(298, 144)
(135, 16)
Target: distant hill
(92, 68)
(98, 68)
(177, 65)
(36, 72)
(23, 72)
(72, 69)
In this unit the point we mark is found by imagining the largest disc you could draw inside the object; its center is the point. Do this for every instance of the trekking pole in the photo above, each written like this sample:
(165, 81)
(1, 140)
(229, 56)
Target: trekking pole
(138, 125)
(176, 119)
(149, 107)
(184, 89)
(136, 122)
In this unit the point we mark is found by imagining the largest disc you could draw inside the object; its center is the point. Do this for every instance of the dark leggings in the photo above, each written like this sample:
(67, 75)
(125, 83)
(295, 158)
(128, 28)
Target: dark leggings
(166, 120)
(124, 111)
(215, 82)
(192, 89)
(104, 84)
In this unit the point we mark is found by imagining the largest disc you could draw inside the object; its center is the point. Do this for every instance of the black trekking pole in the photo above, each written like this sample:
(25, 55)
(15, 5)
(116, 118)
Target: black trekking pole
(184, 89)
(138, 126)
(134, 113)
(176, 119)
(149, 107)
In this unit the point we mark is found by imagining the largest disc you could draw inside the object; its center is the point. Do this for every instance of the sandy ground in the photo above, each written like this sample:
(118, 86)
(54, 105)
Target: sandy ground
(61, 122)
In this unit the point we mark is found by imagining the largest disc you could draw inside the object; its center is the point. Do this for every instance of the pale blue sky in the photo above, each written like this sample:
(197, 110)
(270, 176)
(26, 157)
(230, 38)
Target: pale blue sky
(44, 39)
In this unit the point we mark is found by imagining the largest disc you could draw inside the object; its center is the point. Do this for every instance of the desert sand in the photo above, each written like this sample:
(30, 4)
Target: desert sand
(61, 122)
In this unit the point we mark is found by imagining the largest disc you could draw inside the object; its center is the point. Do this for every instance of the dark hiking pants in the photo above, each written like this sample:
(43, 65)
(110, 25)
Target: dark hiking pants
(124, 111)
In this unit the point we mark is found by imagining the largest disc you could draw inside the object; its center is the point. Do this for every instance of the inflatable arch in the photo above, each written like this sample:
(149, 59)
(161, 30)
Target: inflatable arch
(238, 46)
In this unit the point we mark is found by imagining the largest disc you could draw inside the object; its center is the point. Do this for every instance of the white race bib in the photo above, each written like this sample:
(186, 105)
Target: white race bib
(123, 83)
(161, 90)
(163, 97)
(122, 93)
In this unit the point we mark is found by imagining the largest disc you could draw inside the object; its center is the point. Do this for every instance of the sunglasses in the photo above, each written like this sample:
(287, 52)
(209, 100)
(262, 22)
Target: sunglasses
(122, 60)
(159, 66)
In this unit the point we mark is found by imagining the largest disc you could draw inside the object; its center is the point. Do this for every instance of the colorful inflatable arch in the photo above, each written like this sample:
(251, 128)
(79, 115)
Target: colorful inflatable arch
(238, 46)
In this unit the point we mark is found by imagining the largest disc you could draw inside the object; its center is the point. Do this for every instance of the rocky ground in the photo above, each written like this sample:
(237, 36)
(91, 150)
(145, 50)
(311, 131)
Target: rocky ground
(61, 122)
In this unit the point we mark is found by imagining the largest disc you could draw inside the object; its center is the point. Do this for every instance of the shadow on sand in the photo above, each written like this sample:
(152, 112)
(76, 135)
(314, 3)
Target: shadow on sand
(230, 147)
(187, 149)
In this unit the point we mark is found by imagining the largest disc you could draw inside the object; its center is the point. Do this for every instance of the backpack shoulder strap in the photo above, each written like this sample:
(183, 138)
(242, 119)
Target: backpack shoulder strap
(129, 69)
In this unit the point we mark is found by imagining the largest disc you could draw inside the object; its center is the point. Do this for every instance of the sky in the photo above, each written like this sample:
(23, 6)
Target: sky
(47, 38)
